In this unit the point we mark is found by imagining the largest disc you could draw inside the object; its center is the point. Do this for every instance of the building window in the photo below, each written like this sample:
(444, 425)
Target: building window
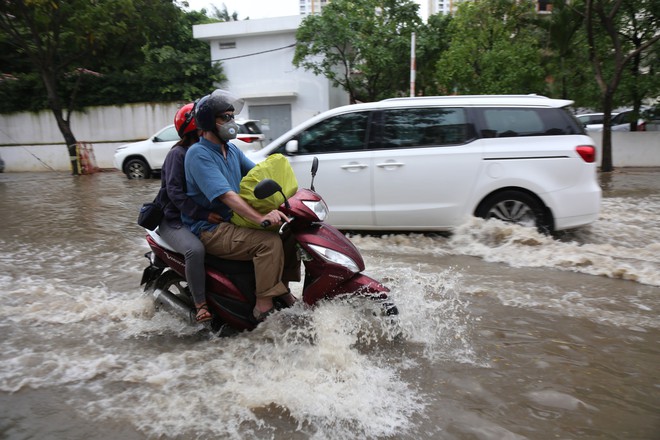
(545, 6)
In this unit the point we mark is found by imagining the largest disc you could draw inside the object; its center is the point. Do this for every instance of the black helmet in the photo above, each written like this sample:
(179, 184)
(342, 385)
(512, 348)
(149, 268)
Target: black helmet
(209, 106)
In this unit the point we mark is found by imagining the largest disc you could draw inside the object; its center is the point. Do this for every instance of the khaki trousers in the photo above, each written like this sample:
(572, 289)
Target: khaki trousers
(264, 248)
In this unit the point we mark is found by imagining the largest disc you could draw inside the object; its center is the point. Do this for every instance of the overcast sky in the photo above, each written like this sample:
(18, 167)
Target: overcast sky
(251, 8)
(259, 8)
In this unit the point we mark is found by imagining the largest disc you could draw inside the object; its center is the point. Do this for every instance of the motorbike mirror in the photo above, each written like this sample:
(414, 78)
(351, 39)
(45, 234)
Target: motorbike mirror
(315, 167)
(266, 188)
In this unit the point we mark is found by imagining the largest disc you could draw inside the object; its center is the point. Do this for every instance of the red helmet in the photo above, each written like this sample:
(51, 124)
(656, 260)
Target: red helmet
(184, 120)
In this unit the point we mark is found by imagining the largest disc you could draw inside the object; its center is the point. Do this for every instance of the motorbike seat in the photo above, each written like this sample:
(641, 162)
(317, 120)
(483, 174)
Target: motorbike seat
(160, 240)
(228, 267)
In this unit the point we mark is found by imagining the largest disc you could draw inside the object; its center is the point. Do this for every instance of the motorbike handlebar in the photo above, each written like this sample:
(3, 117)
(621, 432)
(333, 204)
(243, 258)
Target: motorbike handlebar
(267, 223)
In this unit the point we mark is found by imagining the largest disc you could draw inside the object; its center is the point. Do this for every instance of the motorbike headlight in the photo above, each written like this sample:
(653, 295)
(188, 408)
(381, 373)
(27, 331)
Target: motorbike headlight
(317, 207)
(335, 257)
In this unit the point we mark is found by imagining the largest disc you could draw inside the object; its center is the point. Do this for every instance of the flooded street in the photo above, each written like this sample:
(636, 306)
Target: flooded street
(503, 333)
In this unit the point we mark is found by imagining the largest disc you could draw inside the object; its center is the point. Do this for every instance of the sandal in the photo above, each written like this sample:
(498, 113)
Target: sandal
(261, 316)
(288, 299)
(203, 314)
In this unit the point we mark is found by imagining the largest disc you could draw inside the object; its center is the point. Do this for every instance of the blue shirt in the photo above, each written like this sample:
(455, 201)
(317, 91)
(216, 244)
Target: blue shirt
(209, 175)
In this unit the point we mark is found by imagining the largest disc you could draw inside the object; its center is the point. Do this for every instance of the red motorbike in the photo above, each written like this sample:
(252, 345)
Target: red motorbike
(333, 266)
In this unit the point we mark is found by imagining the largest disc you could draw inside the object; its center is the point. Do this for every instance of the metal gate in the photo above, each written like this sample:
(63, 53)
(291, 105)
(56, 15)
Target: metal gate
(274, 120)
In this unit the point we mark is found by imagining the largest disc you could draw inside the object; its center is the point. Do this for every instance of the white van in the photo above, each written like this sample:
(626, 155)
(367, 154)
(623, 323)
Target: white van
(428, 163)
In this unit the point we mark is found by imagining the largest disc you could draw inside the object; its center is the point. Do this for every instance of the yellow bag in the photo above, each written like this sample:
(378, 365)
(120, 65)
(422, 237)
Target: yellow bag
(275, 167)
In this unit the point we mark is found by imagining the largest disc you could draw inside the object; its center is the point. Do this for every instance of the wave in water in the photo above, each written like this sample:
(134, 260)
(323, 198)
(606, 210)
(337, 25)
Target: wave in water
(622, 244)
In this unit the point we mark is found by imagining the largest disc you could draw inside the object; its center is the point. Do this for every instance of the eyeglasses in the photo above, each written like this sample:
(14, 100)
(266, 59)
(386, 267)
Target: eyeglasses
(225, 117)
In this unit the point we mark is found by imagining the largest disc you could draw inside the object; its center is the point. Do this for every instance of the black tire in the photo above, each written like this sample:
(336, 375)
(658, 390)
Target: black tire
(515, 207)
(137, 169)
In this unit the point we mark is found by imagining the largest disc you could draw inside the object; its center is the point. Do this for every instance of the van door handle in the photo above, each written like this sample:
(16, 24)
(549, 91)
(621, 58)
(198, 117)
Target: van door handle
(390, 164)
(354, 166)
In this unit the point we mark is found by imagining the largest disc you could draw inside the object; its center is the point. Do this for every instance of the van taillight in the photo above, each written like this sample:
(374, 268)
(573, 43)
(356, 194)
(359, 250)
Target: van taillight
(587, 153)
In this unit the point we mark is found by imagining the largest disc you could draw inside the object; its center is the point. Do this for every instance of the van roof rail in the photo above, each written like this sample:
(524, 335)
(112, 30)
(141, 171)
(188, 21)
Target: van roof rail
(405, 98)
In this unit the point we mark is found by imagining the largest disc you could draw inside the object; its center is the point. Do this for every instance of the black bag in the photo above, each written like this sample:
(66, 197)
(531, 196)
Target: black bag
(150, 215)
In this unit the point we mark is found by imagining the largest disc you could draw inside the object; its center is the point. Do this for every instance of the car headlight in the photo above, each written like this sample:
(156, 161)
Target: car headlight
(335, 257)
(317, 207)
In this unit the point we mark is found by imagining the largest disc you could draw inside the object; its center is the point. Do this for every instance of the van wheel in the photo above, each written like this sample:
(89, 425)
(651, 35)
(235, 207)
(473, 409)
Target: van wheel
(515, 207)
(137, 169)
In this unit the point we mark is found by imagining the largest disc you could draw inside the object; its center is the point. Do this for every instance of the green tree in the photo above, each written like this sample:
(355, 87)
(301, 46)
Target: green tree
(362, 46)
(65, 54)
(494, 49)
(223, 14)
(432, 41)
(56, 37)
(631, 30)
(640, 78)
(172, 65)
(565, 53)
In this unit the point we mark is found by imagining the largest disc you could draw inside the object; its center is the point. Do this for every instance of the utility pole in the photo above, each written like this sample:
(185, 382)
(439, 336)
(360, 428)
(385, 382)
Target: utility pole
(412, 65)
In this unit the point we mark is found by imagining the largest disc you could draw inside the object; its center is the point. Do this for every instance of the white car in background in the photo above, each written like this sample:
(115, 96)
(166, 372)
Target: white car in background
(143, 159)
(592, 121)
(620, 121)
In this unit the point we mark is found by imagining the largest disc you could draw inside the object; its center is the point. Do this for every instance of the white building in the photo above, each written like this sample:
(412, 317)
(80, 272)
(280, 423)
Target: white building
(257, 57)
(442, 6)
(449, 6)
(308, 7)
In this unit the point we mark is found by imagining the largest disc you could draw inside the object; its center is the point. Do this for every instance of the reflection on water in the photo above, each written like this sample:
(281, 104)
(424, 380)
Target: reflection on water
(503, 333)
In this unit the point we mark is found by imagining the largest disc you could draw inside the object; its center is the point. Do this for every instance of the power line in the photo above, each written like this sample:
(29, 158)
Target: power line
(254, 53)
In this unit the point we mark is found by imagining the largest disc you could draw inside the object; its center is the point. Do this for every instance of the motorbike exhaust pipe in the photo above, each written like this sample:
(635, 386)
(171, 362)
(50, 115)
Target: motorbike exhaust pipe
(173, 303)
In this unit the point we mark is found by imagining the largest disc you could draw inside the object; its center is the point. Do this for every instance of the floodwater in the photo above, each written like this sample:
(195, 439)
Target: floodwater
(503, 333)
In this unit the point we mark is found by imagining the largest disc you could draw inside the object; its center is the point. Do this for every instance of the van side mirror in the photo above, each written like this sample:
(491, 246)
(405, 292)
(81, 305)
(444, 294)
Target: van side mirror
(291, 146)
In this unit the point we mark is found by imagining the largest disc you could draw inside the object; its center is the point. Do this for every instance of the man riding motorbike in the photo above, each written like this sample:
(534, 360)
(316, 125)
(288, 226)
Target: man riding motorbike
(214, 169)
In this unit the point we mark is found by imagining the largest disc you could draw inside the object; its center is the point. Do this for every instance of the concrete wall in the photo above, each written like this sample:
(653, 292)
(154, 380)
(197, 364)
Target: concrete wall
(632, 149)
(32, 141)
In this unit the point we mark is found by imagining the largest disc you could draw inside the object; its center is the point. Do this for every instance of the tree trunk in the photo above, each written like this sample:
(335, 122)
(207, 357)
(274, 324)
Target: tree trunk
(70, 140)
(637, 100)
(63, 124)
(606, 160)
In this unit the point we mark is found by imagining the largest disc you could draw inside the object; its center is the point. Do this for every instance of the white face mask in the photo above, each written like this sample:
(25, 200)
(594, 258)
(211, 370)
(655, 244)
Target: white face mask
(227, 131)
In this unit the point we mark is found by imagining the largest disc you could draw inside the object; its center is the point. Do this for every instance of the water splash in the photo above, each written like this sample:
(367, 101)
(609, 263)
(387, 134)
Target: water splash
(318, 371)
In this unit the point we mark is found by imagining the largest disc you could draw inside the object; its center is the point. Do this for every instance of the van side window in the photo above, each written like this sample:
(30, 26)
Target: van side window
(420, 127)
(340, 133)
(512, 122)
